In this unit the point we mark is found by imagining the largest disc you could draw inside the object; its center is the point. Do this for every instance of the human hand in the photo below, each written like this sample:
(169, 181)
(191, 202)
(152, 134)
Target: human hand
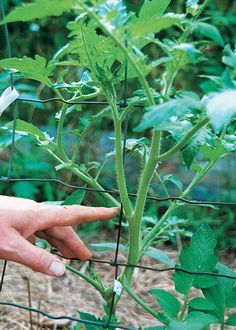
(21, 220)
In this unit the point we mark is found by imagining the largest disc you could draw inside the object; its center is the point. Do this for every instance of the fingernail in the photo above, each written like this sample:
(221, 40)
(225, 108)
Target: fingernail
(57, 268)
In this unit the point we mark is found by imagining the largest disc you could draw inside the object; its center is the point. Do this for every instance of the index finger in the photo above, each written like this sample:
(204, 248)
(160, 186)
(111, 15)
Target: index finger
(50, 216)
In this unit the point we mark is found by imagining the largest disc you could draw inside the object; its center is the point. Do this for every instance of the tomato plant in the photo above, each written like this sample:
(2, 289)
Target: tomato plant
(108, 41)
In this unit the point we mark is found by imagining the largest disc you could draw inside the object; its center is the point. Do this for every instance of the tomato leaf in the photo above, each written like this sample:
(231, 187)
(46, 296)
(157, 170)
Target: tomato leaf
(222, 294)
(156, 25)
(36, 69)
(167, 301)
(209, 31)
(200, 303)
(38, 9)
(198, 257)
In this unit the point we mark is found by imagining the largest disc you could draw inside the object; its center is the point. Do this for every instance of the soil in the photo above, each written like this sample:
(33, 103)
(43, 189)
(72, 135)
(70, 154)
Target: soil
(69, 294)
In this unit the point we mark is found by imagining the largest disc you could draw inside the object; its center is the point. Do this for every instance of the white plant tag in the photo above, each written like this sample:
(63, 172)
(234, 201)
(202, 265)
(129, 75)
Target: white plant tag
(117, 287)
(7, 98)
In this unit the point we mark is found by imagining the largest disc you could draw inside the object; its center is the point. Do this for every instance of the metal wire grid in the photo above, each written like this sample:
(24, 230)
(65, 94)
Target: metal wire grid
(113, 263)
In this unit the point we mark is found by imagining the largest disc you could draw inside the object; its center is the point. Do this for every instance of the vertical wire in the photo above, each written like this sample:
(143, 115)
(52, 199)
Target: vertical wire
(121, 210)
(10, 164)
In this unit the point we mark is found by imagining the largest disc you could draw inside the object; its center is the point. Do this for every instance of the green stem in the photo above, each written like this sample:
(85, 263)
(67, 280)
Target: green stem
(101, 169)
(198, 178)
(147, 241)
(87, 51)
(76, 150)
(135, 224)
(185, 139)
(95, 284)
(140, 301)
(128, 209)
(185, 304)
(147, 176)
(59, 140)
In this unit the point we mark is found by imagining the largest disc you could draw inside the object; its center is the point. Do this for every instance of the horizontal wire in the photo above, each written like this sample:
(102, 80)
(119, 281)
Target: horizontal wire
(56, 99)
(111, 263)
(65, 317)
(116, 192)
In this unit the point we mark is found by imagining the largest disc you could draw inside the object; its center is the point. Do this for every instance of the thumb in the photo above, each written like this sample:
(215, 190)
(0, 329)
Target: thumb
(35, 258)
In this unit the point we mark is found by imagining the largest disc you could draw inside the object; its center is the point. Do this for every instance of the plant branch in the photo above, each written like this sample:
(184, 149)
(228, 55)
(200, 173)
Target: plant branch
(119, 157)
(95, 284)
(76, 150)
(59, 140)
(185, 304)
(162, 184)
(185, 140)
(140, 301)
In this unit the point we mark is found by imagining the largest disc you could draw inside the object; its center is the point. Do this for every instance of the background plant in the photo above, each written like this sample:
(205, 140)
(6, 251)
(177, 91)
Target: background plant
(158, 48)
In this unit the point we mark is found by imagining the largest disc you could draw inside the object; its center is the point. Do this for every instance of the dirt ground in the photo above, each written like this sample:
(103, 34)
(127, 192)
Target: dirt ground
(68, 294)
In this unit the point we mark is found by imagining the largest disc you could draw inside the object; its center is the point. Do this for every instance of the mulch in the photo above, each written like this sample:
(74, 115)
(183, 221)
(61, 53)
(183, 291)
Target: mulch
(69, 294)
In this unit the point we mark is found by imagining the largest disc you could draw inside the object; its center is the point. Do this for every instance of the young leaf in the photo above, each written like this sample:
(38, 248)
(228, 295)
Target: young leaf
(89, 317)
(221, 108)
(75, 198)
(209, 31)
(168, 302)
(36, 69)
(38, 9)
(198, 257)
